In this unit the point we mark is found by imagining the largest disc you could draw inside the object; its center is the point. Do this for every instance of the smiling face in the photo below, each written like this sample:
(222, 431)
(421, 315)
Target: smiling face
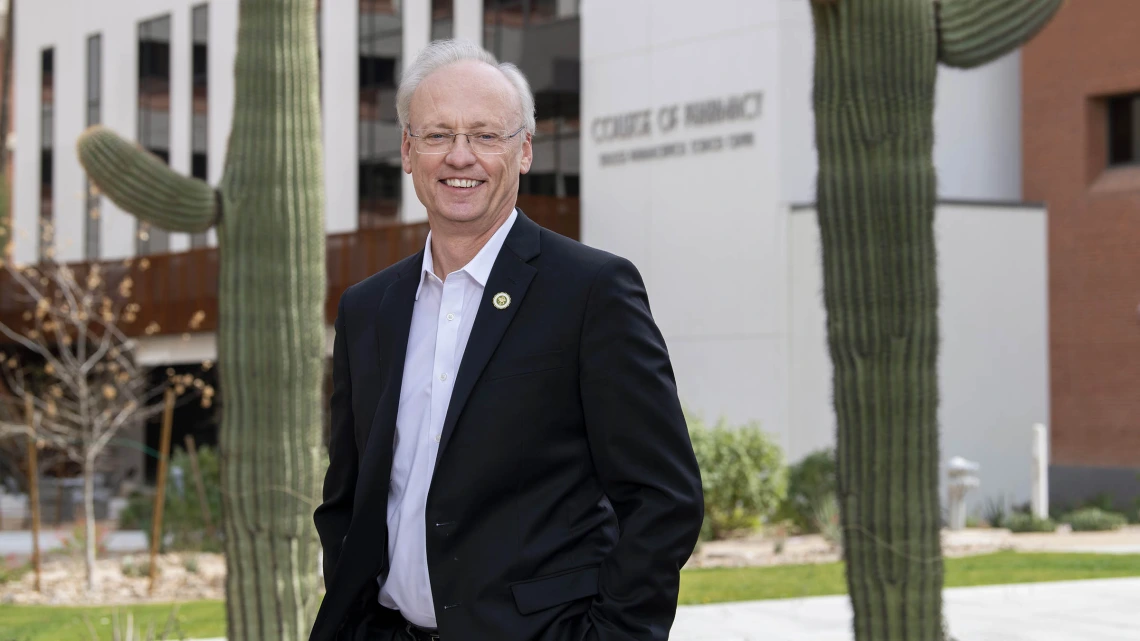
(460, 188)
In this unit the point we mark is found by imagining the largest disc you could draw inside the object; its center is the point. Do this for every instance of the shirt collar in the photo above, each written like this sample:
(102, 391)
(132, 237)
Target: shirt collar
(479, 268)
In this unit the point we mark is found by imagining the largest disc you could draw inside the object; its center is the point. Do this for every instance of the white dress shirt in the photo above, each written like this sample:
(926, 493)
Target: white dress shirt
(441, 324)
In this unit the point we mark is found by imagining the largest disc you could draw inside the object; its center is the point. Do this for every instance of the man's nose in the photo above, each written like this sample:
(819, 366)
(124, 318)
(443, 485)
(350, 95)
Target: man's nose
(460, 154)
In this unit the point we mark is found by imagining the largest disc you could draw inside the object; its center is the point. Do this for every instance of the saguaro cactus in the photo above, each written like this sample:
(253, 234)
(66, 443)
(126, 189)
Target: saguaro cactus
(875, 67)
(271, 333)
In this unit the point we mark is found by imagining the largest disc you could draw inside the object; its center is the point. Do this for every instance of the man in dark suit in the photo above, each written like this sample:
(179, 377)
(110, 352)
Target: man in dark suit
(508, 457)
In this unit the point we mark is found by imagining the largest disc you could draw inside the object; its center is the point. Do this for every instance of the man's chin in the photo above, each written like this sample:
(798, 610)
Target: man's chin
(461, 212)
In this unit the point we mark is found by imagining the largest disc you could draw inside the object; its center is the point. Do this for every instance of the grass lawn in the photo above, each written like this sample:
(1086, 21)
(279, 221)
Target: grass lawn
(789, 581)
(196, 619)
(200, 619)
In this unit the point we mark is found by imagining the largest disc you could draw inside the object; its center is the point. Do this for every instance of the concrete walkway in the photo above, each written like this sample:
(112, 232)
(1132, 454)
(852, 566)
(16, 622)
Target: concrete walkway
(1103, 609)
(19, 542)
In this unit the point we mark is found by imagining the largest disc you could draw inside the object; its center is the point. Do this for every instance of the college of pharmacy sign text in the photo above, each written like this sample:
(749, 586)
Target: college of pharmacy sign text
(671, 118)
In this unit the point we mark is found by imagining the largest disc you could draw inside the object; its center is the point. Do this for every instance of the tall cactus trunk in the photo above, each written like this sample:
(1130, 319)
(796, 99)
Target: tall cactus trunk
(875, 71)
(876, 192)
(271, 338)
(271, 296)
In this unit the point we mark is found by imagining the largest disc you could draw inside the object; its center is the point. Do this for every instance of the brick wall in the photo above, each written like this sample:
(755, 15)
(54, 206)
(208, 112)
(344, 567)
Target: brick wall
(1089, 51)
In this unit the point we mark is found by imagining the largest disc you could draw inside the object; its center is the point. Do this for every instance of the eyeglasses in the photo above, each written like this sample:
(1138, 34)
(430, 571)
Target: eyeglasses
(483, 142)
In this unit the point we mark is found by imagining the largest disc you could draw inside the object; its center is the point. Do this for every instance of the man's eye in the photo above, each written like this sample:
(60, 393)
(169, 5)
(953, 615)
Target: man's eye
(435, 137)
(487, 137)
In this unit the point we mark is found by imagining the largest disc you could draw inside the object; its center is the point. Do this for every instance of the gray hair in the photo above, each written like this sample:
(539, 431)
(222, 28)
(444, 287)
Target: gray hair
(442, 53)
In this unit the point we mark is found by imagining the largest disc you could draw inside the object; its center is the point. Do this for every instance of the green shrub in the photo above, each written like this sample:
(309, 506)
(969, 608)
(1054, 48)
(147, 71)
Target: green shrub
(1108, 503)
(1094, 519)
(182, 518)
(742, 473)
(136, 568)
(1025, 522)
(827, 521)
(994, 512)
(810, 483)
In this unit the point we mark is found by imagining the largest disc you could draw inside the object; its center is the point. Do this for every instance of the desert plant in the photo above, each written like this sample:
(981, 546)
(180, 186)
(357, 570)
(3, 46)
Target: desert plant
(76, 544)
(133, 568)
(183, 524)
(1102, 500)
(994, 512)
(268, 214)
(810, 481)
(1026, 522)
(876, 65)
(1094, 519)
(826, 519)
(742, 473)
(190, 563)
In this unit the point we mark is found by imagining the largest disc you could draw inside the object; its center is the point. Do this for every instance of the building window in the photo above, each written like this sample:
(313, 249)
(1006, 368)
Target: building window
(549, 33)
(154, 114)
(380, 48)
(91, 222)
(1124, 129)
(442, 19)
(47, 138)
(200, 102)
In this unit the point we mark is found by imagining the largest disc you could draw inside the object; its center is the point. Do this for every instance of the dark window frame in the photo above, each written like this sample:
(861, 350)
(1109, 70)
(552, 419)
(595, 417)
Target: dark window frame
(557, 106)
(379, 174)
(442, 19)
(1122, 129)
(200, 85)
(92, 222)
(46, 144)
(153, 59)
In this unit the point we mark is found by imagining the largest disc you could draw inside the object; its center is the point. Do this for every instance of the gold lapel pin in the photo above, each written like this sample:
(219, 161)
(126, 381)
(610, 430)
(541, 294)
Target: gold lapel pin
(501, 300)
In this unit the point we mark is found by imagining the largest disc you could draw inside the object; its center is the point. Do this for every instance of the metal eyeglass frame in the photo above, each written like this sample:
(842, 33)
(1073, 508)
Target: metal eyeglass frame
(451, 146)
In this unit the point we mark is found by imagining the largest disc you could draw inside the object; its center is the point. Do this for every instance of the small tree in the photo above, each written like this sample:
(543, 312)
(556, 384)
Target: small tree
(89, 386)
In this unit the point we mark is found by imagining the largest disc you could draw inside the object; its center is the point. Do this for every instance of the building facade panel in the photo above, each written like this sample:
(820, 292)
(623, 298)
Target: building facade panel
(993, 357)
(1084, 62)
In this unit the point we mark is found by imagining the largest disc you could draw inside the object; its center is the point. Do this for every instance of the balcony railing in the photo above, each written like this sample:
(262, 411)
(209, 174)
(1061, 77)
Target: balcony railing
(179, 291)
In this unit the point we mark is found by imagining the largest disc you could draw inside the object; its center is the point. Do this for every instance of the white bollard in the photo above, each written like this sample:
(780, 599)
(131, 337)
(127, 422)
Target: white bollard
(1040, 497)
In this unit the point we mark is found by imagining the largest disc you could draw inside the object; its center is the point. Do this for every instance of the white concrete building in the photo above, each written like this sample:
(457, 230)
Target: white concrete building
(695, 160)
(722, 226)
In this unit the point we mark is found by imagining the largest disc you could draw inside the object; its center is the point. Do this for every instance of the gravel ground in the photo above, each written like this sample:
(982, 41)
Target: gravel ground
(186, 576)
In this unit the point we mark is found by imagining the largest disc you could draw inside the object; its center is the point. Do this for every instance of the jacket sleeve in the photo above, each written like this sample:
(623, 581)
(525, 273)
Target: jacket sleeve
(640, 445)
(334, 514)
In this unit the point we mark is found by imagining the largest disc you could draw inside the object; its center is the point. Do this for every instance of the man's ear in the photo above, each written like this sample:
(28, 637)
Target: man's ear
(527, 155)
(406, 152)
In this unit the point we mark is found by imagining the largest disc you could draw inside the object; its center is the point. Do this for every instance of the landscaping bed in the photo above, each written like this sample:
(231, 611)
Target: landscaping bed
(121, 580)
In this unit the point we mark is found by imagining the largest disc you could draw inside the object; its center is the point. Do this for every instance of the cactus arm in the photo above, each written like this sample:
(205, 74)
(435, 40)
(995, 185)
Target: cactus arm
(974, 32)
(144, 186)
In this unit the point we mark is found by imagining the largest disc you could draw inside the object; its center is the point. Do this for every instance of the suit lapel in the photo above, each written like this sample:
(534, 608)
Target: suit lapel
(511, 275)
(393, 324)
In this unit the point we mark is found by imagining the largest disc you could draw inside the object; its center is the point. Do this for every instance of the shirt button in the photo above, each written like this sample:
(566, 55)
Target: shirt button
(436, 438)
(443, 377)
(451, 317)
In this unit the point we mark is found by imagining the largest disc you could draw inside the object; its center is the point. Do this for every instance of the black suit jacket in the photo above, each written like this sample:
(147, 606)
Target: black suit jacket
(566, 496)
